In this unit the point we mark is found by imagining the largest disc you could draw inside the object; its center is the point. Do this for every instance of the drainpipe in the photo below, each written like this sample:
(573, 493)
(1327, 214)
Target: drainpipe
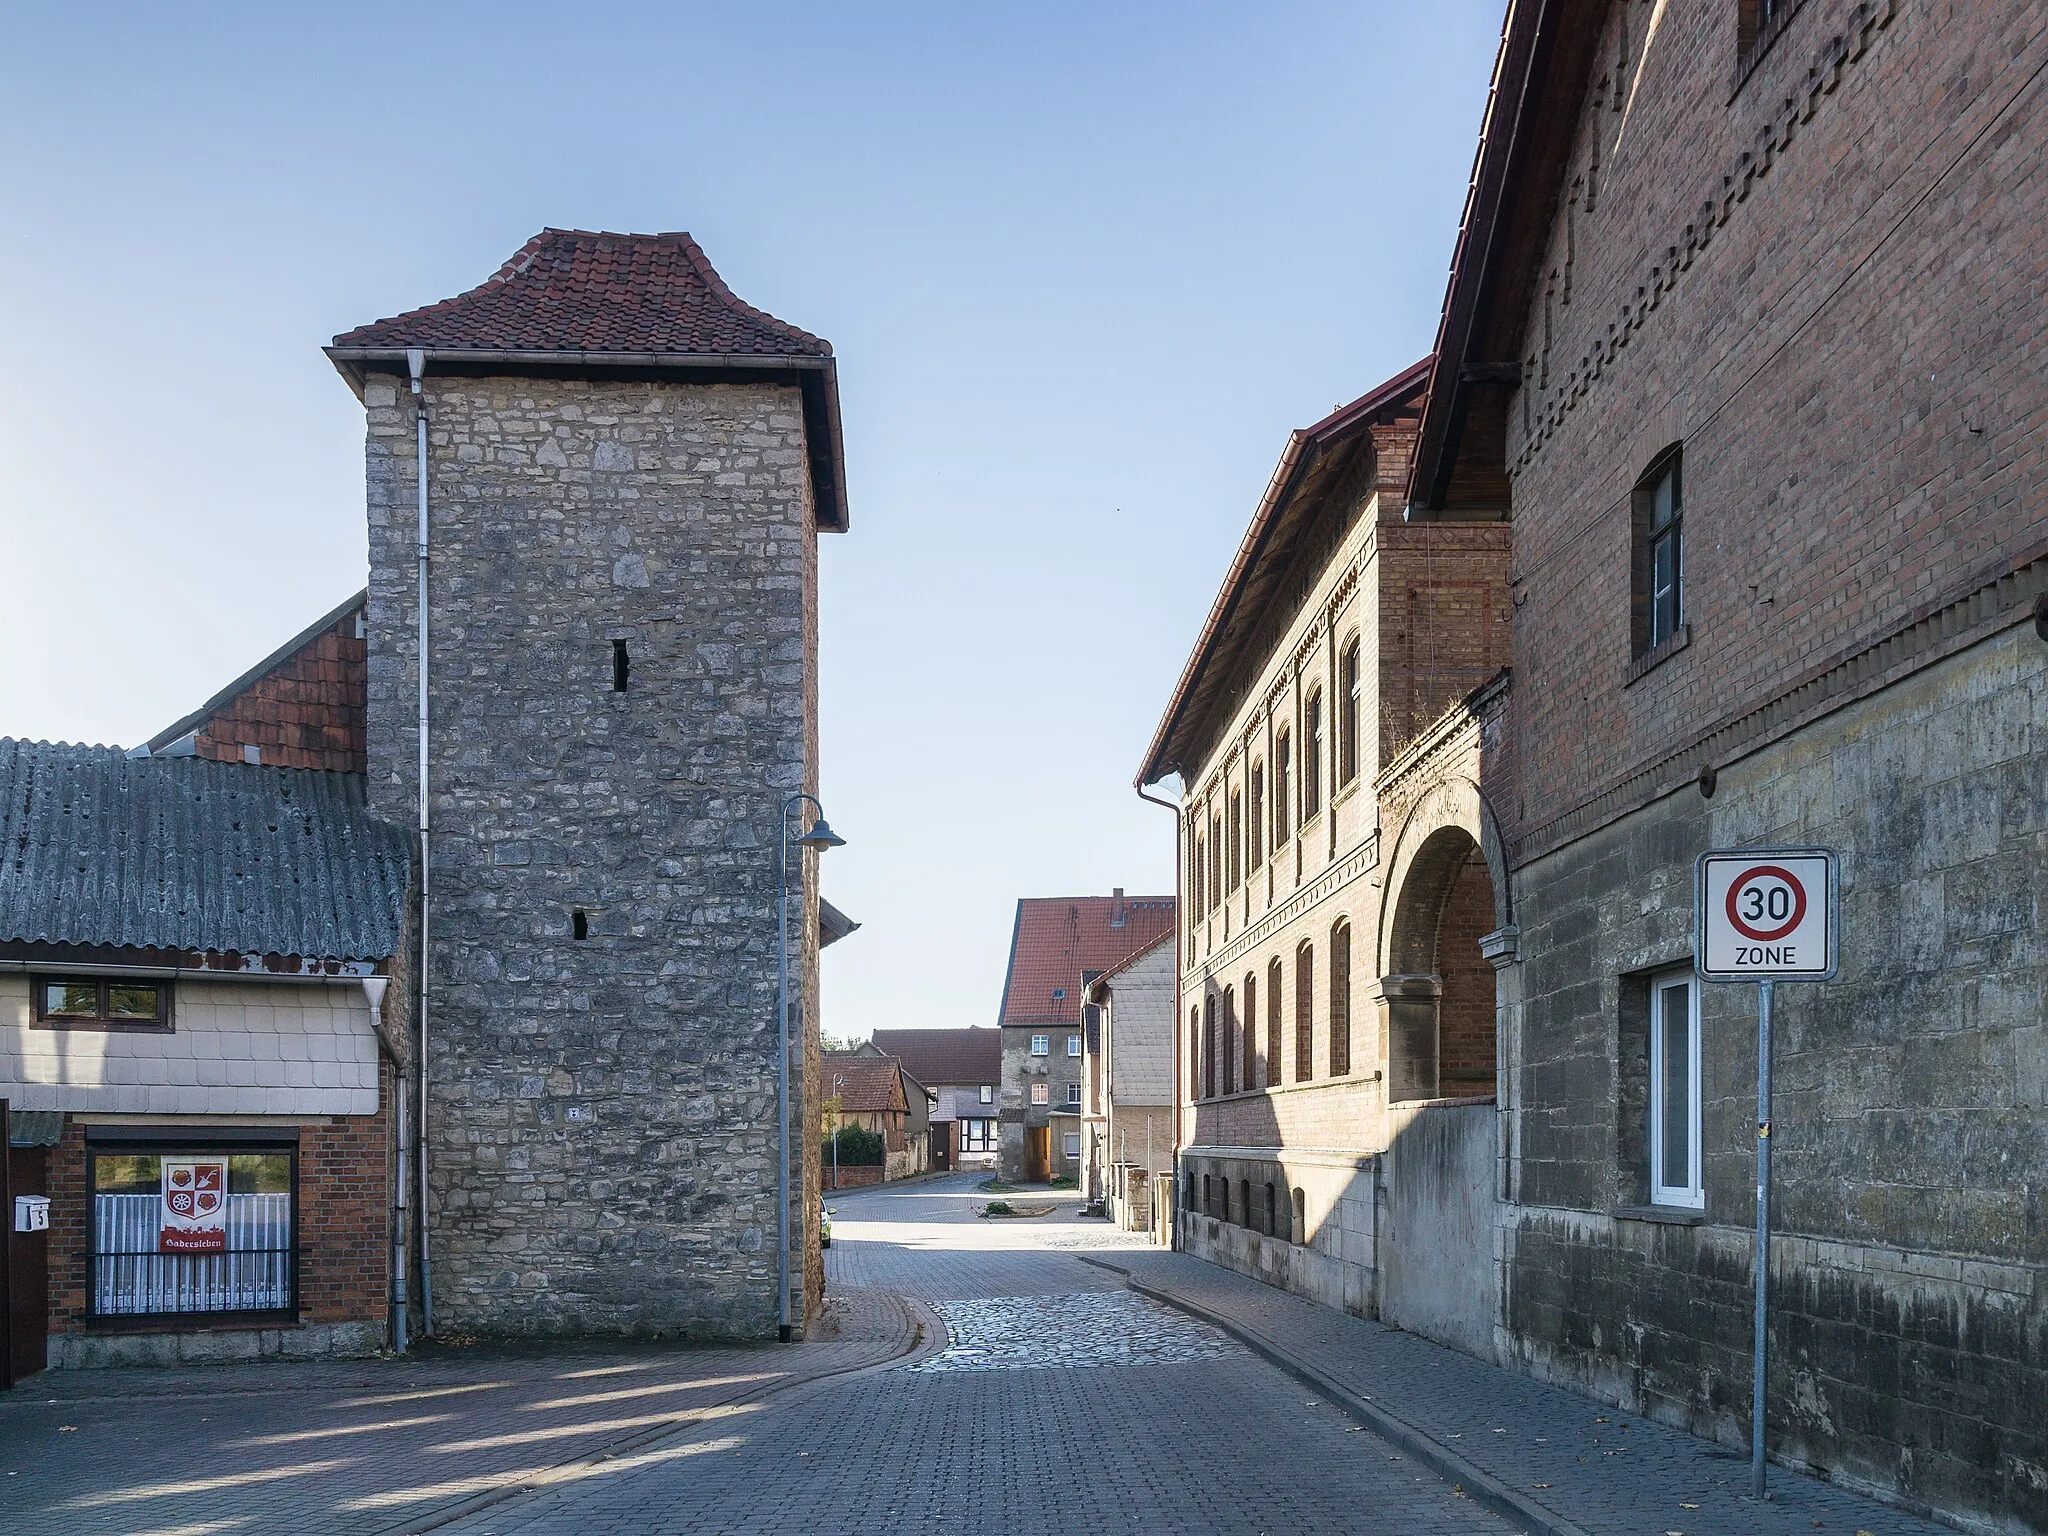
(416, 365)
(1179, 917)
(373, 992)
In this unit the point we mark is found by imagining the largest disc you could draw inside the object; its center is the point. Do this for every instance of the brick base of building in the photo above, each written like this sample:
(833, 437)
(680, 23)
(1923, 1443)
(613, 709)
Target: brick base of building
(216, 1346)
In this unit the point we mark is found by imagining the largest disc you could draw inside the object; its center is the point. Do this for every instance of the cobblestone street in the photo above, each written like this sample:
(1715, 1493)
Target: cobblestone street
(1059, 1402)
(1039, 1374)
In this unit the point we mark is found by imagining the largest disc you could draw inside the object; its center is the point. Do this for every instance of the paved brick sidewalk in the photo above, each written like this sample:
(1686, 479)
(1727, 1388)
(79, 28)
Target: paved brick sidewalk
(370, 1446)
(1606, 1472)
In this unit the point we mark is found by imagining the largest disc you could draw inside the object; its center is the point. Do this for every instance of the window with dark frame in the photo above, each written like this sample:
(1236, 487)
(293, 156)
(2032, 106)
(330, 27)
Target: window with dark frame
(1304, 1012)
(1195, 1052)
(1226, 1040)
(242, 1262)
(1255, 814)
(1251, 1031)
(1312, 755)
(1340, 999)
(1236, 838)
(1283, 751)
(1348, 687)
(1215, 859)
(622, 666)
(1659, 505)
(1275, 1063)
(102, 1002)
(1209, 1047)
(1757, 23)
(1199, 884)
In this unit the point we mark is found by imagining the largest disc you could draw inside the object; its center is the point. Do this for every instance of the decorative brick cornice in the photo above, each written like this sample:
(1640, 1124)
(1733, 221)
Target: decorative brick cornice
(1771, 140)
(1366, 856)
(1991, 602)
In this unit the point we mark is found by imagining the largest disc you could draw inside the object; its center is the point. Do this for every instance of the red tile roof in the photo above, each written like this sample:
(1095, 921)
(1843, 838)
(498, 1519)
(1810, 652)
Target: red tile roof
(577, 290)
(936, 1057)
(1060, 941)
(863, 1083)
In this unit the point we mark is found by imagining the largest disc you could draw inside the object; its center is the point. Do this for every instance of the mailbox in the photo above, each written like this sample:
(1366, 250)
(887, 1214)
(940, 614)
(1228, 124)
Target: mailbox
(31, 1213)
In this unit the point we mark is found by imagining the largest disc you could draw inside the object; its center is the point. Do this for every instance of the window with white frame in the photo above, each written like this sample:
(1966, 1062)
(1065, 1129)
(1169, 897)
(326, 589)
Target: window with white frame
(979, 1136)
(1073, 1143)
(1041, 1045)
(1675, 1175)
(1073, 1093)
(988, 1093)
(1041, 1093)
(1073, 1045)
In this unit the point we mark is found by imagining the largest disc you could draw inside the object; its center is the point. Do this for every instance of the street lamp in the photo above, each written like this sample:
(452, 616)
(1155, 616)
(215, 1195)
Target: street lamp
(821, 836)
(838, 1087)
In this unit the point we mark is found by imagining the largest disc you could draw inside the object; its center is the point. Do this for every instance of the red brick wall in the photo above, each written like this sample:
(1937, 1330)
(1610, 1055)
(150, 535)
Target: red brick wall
(344, 1223)
(1465, 1045)
(1835, 307)
(1445, 620)
(306, 712)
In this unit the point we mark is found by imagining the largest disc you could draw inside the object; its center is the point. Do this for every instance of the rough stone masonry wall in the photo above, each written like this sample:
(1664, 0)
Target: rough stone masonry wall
(603, 1112)
(1910, 1342)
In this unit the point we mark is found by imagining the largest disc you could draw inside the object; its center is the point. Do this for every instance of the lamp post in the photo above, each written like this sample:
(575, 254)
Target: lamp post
(838, 1087)
(821, 836)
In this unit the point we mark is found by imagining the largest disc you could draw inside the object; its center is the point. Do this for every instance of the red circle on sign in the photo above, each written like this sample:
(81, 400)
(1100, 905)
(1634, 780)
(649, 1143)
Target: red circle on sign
(1766, 935)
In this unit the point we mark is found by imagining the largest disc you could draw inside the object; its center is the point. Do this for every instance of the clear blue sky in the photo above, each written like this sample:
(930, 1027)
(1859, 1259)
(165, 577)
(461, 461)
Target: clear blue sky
(1084, 267)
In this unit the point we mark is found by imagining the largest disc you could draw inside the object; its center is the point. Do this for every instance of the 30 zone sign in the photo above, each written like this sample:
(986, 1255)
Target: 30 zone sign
(1767, 912)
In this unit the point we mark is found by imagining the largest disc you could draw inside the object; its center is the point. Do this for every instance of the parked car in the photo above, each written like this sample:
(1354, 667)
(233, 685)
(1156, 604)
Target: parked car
(824, 1224)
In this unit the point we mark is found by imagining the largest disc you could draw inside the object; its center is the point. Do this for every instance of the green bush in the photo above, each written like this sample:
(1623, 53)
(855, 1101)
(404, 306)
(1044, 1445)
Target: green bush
(997, 1208)
(858, 1147)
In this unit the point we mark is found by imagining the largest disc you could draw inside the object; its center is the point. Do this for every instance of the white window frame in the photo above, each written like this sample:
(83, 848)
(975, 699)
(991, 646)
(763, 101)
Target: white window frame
(1692, 1195)
(1071, 1144)
(1073, 1093)
(1073, 1045)
(1041, 1045)
(1041, 1093)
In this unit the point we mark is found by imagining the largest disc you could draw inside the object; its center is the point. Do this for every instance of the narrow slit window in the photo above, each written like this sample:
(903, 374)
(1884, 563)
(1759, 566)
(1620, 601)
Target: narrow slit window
(622, 666)
(579, 924)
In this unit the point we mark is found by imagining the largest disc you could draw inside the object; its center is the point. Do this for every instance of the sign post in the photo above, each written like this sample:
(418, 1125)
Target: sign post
(1764, 915)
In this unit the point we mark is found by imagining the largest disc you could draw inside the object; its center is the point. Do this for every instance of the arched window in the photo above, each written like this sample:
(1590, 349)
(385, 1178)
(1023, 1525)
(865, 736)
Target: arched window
(1216, 859)
(1272, 1212)
(1251, 1031)
(1340, 999)
(1255, 817)
(1199, 887)
(1304, 1012)
(1195, 1052)
(1208, 1201)
(1300, 1232)
(1348, 689)
(1236, 838)
(1273, 1055)
(1225, 1040)
(1244, 1201)
(1312, 754)
(1283, 784)
(1209, 1047)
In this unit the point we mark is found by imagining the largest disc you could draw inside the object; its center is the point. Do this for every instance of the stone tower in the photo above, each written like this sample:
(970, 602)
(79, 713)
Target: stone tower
(627, 470)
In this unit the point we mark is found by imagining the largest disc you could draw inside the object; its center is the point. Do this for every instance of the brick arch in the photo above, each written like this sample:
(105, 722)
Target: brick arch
(1445, 889)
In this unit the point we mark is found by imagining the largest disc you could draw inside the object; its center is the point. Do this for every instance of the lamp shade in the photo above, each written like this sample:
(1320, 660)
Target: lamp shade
(821, 836)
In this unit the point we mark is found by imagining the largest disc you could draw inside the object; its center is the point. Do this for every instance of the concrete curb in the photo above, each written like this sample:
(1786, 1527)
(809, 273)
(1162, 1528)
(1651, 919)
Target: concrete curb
(1482, 1487)
(920, 1342)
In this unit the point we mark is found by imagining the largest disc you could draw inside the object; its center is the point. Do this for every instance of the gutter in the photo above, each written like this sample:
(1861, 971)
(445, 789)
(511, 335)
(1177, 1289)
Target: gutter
(817, 375)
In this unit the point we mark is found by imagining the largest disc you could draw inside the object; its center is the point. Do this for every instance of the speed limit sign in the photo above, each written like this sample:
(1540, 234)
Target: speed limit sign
(1767, 913)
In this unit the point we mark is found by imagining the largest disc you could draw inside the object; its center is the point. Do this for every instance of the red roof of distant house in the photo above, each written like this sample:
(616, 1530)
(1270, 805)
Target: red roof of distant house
(940, 1056)
(1060, 942)
(863, 1083)
(577, 290)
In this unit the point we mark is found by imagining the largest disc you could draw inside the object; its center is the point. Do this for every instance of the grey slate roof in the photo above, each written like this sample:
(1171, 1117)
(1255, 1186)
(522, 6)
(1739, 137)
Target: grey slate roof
(181, 853)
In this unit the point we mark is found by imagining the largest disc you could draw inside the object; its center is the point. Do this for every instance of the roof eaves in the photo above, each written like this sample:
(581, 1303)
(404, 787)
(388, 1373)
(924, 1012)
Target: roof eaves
(1287, 474)
(255, 674)
(1125, 964)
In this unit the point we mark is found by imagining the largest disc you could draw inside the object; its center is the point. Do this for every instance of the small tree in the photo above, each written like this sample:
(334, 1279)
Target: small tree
(859, 1147)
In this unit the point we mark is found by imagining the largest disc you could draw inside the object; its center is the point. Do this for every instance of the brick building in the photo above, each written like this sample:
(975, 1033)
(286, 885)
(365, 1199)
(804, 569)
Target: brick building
(1058, 945)
(193, 959)
(626, 472)
(1742, 336)
(964, 1069)
(1322, 1041)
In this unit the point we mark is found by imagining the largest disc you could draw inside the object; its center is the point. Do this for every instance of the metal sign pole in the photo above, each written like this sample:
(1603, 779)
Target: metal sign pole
(1763, 1233)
